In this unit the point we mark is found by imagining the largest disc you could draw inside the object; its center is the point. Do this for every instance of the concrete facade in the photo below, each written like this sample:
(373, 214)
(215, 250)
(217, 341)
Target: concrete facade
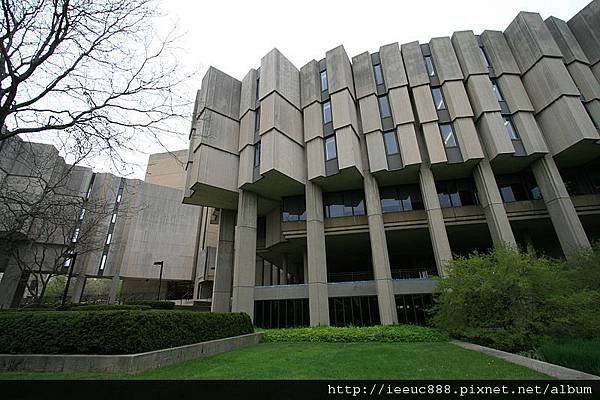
(356, 179)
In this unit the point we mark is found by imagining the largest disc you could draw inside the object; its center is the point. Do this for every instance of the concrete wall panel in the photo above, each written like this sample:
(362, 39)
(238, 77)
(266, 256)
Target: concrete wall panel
(339, 71)
(414, 64)
(248, 92)
(409, 148)
(546, 81)
(393, 66)
(369, 113)
(499, 53)
(445, 60)
(564, 38)
(279, 152)
(310, 84)
(215, 130)
(247, 130)
(246, 172)
(315, 158)
(468, 141)
(433, 142)
(400, 105)
(277, 113)
(313, 121)
(585, 25)
(494, 135)
(217, 168)
(423, 102)
(481, 95)
(343, 110)
(530, 133)
(376, 151)
(457, 99)
(364, 77)
(221, 93)
(514, 93)
(348, 149)
(468, 53)
(277, 73)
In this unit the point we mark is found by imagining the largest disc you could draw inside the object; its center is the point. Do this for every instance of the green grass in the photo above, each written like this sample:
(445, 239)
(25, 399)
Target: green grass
(582, 355)
(329, 361)
(380, 333)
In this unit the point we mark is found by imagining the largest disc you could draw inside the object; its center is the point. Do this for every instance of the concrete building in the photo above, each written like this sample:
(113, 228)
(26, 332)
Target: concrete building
(343, 186)
(132, 224)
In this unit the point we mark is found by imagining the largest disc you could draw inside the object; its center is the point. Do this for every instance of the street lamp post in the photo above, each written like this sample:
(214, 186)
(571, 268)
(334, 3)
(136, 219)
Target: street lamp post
(72, 257)
(161, 263)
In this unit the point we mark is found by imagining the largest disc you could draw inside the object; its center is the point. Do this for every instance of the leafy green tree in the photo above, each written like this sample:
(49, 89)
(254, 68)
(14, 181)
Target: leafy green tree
(516, 300)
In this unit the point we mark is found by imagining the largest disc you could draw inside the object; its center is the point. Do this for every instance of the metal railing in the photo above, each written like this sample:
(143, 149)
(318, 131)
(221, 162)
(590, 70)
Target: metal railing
(397, 273)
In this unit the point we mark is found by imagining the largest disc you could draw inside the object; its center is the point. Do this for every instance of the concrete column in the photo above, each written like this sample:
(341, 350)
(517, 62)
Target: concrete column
(244, 260)
(379, 254)
(284, 270)
(562, 212)
(12, 286)
(318, 299)
(78, 288)
(113, 293)
(493, 207)
(435, 220)
(224, 262)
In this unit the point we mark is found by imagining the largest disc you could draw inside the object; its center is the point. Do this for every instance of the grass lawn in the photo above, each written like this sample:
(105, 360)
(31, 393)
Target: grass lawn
(328, 361)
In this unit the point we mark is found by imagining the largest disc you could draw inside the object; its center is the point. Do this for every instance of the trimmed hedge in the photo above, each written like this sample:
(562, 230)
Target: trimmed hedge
(389, 333)
(108, 307)
(156, 304)
(582, 355)
(114, 332)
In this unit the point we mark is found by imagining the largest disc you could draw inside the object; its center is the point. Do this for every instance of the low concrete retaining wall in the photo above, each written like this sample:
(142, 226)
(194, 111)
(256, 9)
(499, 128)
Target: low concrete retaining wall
(555, 371)
(125, 363)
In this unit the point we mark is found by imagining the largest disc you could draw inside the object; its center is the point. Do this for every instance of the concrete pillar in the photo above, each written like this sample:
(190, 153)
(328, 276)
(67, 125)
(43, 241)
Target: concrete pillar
(379, 254)
(224, 263)
(78, 288)
(435, 220)
(493, 207)
(284, 270)
(12, 286)
(318, 299)
(562, 212)
(113, 293)
(244, 260)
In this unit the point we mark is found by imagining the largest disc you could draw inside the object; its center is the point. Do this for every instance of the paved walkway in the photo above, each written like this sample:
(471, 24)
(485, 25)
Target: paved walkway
(555, 371)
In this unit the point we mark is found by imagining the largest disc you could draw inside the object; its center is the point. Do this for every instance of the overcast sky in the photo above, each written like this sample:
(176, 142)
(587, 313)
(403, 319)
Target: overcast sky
(233, 35)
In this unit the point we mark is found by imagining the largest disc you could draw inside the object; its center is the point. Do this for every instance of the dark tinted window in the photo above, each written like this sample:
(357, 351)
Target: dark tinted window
(391, 142)
(429, 66)
(330, 149)
(448, 136)
(344, 204)
(384, 106)
(518, 187)
(510, 128)
(438, 98)
(327, 116)
(293, 209)
(400, 198)
(257, 154)
(324, 86)
(457, 193)
(378, 74)
(496, 89)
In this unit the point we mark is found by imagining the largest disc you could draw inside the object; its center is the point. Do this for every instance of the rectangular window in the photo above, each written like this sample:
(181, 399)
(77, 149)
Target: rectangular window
(429, 66)
(448, 136)
(457, 193)
(108, 238)
(496, 90)
(344, 204)
(327, 116)
(82, 214)
(384, 106)
(119, 198)
(293, 209)
(114, 218)
(378, 74)
(257, 85)
(103, 262)
(400, 198)
(391, 142)
(438, 98)
(484, 57)
(75, 236)
(257, 154)
(510, 128)
(257, 120)
(330, 148)
(324, 85)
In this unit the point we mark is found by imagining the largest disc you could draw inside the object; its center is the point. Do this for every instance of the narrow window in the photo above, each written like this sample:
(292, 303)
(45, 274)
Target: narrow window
(330, 148)
(510, 128)
(484, 57)
(448, 135)
(429, 66)
(114, 218)
(496, 90)
(103, 262)
(378, 74)
(257, 86)
(324, 85)
(75, 236)
(391, 142)
(327, 116)
(82, 214)
(438, 98)
(384, 106)
(257, 120)
(257, 154)
(108, 238)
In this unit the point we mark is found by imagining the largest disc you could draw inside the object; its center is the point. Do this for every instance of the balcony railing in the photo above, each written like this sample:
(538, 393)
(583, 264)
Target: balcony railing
(397, 273)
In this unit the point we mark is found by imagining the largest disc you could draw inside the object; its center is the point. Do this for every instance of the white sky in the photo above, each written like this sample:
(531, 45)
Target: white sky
(233, 35)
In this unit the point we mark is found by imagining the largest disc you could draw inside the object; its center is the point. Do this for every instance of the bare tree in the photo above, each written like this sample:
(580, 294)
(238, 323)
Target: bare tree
(93, 71)
(46, 213)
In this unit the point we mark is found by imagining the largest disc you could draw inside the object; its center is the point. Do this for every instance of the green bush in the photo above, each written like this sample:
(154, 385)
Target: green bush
(113, 332)
(105, 307)
(582, 355)
(156, 304)
(515, 300)
(381, 333)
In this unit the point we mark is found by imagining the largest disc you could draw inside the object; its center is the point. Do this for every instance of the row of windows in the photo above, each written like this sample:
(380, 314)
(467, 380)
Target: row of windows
(400, 198)
(344, 204)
